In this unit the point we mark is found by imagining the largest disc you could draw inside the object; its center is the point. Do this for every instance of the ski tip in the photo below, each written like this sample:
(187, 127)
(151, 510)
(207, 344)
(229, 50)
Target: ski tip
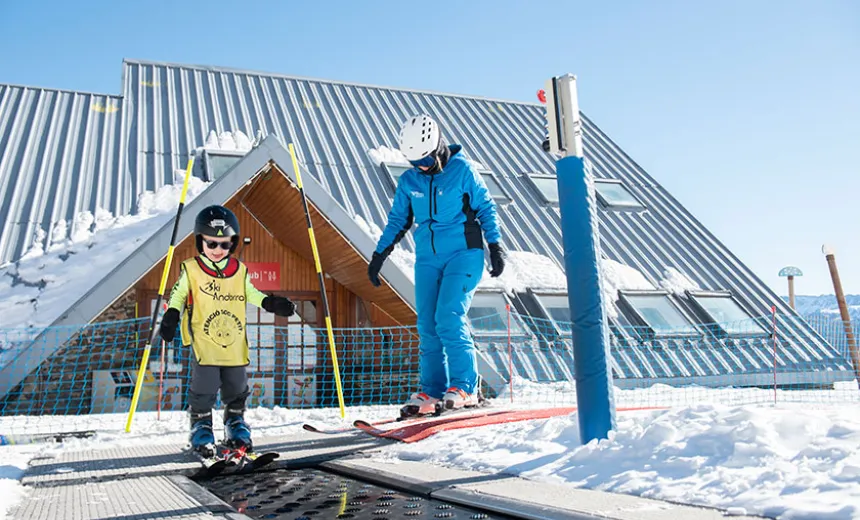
(359, 423)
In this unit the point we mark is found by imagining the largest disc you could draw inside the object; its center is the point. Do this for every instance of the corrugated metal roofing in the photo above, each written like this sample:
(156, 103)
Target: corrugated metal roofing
(167, 111)
(59, 156)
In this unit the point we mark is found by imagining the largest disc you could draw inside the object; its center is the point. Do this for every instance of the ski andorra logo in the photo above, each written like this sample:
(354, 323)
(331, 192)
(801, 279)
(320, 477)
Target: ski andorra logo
(418, 194)
(213, 289)
(223, 327)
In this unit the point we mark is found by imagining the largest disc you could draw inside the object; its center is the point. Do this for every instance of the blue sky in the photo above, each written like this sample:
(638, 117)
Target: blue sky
(747, 111)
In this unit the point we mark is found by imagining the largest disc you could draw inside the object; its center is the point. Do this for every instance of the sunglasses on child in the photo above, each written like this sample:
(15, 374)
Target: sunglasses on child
(214, 244)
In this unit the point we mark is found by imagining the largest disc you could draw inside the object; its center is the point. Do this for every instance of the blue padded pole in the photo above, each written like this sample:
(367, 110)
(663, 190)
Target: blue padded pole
(588, 315)
(581, 240)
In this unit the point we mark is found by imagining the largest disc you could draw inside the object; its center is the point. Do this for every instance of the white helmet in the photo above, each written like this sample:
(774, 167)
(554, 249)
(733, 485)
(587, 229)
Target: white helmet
(419, 137)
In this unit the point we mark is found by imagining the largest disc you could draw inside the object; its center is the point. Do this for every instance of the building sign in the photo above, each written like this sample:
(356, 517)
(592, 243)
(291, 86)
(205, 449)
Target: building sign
(266, 276)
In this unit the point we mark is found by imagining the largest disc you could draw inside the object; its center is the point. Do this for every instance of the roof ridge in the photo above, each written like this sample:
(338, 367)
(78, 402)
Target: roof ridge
(61, 90)
(215, 68)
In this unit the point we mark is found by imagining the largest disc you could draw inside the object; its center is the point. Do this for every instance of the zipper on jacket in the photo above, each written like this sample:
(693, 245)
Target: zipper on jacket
(430, 225)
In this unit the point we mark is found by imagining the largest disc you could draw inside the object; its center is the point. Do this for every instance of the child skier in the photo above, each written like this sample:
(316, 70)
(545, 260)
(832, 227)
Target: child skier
(214, 289)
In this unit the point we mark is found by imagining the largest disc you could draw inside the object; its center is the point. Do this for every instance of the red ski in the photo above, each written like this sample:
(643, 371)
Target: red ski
(418, 430)
(402, 420)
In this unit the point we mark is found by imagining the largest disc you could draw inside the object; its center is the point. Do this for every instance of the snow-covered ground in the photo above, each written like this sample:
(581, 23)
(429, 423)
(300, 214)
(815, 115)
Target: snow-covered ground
(788, 460)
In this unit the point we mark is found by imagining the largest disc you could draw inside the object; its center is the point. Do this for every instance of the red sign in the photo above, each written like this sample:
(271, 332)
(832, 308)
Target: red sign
(266, 276)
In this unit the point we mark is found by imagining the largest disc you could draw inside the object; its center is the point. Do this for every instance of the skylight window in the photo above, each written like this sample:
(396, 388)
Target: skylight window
(547, 186)
(655, 314)
(219, 163)
(488, 316)
(613, 194)
(558, 309)
(725, 313)
(395, 171)
(494, 187)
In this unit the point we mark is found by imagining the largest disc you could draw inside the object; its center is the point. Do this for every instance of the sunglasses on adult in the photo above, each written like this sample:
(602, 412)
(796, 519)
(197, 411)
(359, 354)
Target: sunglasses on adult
(425, 162)
(214, 244)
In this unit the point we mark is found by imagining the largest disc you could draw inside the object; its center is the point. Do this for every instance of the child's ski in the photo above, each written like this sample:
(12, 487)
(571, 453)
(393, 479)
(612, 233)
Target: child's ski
(241, 461)
(211, 466)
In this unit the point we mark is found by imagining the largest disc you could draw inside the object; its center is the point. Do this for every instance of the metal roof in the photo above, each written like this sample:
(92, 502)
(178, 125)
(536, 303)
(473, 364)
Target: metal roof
(59, 155)
(168, 110)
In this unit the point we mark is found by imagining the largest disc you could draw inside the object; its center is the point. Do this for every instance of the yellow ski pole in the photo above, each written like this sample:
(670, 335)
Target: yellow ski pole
(322, 282)
(142, 371)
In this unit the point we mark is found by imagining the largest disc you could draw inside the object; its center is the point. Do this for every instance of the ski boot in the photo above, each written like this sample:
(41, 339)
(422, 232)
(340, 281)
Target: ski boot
(455, 398)
(202, 439)
(418, 404)
(237, 433)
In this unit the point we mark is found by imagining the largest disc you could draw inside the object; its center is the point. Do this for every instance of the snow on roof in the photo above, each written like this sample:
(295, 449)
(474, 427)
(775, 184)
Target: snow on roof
(677, 282)
(617, 276)
(235, 141)
(404, 259)
(523, 270)
(384, 154)
(45, 281)
(476, 165)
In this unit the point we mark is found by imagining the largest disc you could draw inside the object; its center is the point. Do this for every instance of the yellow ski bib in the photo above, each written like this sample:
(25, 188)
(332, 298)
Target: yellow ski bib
(214, 318)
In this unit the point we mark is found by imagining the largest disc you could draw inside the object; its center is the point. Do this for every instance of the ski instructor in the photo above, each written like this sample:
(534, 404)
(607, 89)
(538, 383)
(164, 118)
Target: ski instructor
(452, 206)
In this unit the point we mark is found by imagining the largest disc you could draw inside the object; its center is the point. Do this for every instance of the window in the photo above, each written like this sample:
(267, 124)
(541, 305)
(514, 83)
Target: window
(558, 309)
(395, 171)
(494, 187)
(613, 194)
(726, 313)
(488, 315)
(657, 312)
(261, 339)
(301, 337)
(547, 185)
(217, 164)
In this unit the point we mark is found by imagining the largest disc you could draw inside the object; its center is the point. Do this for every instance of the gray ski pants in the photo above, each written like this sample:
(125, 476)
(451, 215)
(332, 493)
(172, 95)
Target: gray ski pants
(207, 380)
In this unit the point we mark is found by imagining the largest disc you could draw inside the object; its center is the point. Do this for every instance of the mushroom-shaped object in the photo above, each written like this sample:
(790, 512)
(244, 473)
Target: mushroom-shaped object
(790, 271)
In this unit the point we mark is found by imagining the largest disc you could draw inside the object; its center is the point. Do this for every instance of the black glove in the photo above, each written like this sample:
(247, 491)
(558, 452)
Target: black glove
(497, 259)
(279, 305)
(374, 267)
(168, 324)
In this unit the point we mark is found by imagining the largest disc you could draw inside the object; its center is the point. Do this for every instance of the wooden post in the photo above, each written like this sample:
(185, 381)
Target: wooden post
(843, 311)
(791, 291)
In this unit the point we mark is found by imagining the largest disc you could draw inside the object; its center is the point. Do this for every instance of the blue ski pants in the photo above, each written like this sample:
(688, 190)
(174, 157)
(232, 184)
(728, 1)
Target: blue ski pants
(444, 287)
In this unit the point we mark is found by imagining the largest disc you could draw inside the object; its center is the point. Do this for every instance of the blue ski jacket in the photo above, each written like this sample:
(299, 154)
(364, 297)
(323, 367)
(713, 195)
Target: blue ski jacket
(451, 207)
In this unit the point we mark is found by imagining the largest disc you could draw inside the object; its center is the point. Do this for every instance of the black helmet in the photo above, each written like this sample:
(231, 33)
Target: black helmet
(216, 221)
